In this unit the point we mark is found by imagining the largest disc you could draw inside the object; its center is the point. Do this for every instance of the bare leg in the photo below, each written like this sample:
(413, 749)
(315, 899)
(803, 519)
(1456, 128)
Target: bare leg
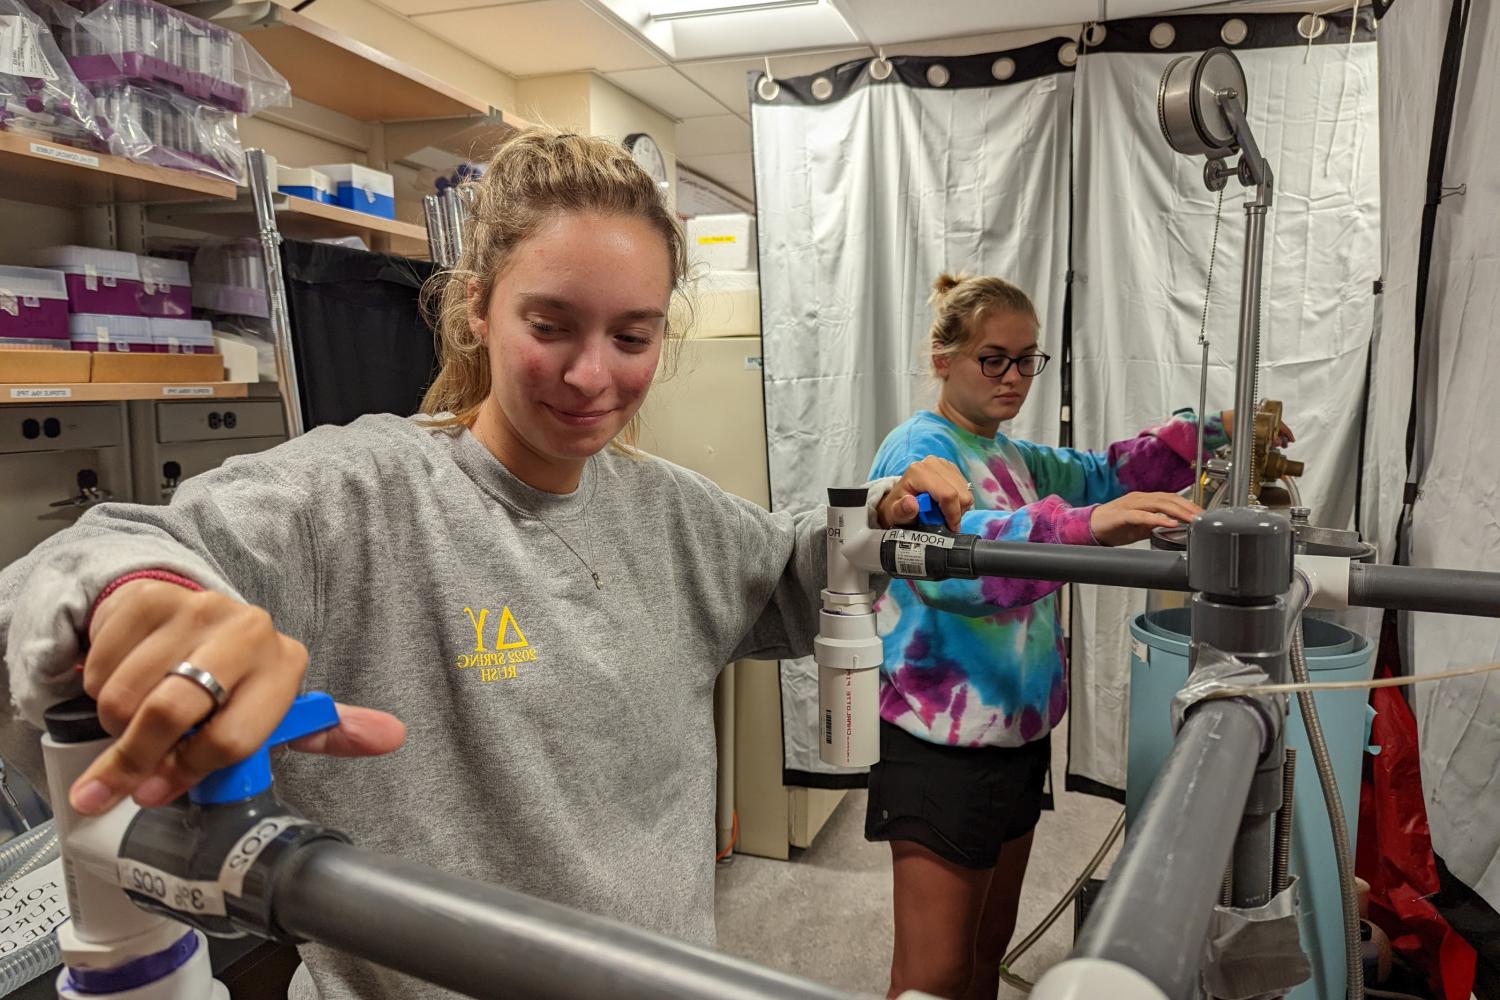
(997, 923)
(938, 906)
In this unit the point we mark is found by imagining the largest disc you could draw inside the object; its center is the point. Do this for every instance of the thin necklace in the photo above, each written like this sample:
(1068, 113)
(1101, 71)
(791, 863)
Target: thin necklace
(587, 534)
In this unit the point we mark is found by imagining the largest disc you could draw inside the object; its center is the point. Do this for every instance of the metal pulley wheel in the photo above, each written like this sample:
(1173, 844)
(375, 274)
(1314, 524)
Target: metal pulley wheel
(1187, 103)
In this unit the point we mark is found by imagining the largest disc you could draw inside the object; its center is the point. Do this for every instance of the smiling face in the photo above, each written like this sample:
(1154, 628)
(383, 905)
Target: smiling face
(573, 329)
(970, 398)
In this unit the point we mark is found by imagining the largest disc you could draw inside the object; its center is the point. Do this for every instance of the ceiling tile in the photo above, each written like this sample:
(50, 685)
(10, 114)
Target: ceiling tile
(712, 136)
(668, 91)
(725, 79)
(412, 7)
(732, 170)
(891, 22)
(535, 39)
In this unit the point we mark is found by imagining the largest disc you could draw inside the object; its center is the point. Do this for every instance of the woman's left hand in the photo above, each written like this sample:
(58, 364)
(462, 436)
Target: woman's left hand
(937, 477)
(1284, 435)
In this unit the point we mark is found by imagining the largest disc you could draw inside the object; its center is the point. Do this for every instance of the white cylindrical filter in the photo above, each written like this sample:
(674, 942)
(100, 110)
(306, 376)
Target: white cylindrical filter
(101, 912)
(849, 653)
(194, 978)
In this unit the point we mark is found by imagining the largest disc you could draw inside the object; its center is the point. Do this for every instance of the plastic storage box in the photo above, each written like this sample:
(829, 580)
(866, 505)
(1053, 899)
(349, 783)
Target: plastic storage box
(722, 242)
(99, 281)
(33, 306)
(104, 334)
(362, 189)
(182, 336)
(166, 287)
(305, 182)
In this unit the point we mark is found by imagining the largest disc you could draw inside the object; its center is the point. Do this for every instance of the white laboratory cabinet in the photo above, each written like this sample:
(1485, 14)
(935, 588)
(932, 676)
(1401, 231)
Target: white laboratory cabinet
(171, 441)
(55, 462)
(710, 417)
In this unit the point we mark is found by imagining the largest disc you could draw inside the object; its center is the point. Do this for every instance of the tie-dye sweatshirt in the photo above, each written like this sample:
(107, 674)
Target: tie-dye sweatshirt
(982, 662)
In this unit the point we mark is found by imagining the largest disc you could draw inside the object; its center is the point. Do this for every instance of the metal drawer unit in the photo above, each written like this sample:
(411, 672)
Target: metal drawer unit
(173, 441)
(55, 463)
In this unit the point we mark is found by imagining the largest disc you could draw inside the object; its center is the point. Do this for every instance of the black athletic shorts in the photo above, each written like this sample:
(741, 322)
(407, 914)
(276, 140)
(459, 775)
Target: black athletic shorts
(961, 803)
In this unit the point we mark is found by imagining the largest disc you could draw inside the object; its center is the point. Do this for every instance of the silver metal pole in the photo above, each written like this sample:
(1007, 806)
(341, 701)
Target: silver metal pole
(457, 211)
(487, 941)
(281, 320)
(432, 214)
(1247, 356)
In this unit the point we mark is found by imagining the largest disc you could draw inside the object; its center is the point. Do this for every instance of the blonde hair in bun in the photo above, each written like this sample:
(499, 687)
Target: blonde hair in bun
(960, 302)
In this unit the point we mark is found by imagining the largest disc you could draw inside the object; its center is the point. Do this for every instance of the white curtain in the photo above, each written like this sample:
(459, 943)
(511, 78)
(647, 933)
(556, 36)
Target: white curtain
(1456, 521)
(1143, 227)
(863, 196)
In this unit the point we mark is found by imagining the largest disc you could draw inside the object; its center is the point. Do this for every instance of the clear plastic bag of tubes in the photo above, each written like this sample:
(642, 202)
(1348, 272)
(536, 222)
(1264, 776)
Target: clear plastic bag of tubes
(39, 93)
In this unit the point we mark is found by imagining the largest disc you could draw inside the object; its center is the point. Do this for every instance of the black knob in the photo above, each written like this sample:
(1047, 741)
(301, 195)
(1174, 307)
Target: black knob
(30, 429)
(87, 479)
(172, 471)
(230, 420)
(51, 427)
(214, 420)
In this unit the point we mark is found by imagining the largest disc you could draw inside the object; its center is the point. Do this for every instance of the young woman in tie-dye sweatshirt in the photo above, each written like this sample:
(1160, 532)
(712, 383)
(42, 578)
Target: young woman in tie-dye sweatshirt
(975, 676)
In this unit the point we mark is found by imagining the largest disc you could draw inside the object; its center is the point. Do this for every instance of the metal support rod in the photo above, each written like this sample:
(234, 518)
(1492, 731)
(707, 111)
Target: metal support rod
(281, 319)
(1082, 564)
(1281, 859)
(484, 940)
(1247, 357)
(1408, 588)
(432, 215)
(1153, 913)
(457, 210)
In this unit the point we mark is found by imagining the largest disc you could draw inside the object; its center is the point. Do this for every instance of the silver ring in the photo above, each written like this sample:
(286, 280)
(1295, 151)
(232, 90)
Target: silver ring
(203, 679)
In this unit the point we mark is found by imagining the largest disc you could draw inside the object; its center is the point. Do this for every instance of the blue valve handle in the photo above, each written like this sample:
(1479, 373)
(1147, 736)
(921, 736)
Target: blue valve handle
(928, 512)
(310, 713)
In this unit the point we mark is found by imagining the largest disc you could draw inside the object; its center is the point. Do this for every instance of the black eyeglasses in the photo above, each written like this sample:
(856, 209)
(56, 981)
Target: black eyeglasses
(1029, 365)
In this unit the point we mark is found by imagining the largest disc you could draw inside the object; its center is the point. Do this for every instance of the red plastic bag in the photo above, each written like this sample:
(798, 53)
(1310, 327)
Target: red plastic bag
(1394, 853)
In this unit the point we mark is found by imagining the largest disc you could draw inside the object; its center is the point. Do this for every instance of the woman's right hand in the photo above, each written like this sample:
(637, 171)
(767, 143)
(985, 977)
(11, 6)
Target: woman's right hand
(1133, 516)
(142, 631)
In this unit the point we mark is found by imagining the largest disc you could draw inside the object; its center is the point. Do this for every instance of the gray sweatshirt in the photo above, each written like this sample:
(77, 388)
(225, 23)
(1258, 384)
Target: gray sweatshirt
(560, 736)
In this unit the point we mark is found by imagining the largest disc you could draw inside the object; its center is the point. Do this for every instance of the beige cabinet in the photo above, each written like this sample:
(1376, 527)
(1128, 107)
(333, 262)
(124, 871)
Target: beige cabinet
(710, 417)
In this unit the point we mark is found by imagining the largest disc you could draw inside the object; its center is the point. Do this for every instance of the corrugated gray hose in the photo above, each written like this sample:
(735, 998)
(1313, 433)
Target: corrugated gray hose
(1353, 949)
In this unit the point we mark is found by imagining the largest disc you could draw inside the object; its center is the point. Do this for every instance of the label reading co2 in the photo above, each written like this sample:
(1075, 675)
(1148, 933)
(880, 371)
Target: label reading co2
(187, 390)
(242, 857)
(187, 895)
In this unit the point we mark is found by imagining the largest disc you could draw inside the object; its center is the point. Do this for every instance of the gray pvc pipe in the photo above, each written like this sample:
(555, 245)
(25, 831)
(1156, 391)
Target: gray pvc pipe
(1153, 914)
(484, 941)
(1082, 564)
(1409, 588)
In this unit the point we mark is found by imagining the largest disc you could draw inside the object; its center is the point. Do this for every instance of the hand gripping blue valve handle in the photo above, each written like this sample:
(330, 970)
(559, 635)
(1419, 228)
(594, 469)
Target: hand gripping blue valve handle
(310, 713)
(928, 512)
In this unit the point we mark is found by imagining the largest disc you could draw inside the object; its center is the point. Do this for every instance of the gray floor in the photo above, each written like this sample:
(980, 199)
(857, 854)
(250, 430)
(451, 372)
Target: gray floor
(826, 914)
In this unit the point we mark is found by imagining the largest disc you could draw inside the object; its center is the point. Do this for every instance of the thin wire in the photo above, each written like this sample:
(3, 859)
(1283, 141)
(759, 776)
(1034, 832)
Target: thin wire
(1383, 682)
(1213, 252)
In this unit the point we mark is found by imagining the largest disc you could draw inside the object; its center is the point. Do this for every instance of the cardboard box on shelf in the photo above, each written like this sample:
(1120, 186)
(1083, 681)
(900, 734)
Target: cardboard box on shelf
(43, 367)
(158, 368)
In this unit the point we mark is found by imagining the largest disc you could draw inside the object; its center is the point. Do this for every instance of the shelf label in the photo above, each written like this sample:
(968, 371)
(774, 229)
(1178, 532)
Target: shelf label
(49, 392)
(66, 155)
(187, 390)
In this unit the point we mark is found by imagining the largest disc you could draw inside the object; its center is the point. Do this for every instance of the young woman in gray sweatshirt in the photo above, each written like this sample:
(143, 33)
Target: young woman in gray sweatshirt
(544, 609)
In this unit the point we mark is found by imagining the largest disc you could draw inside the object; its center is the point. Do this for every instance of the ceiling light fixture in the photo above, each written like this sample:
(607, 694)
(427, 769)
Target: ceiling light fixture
(676, 10)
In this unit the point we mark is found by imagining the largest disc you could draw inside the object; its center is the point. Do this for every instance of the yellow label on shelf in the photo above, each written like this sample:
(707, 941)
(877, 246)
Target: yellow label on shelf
(705, 240)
